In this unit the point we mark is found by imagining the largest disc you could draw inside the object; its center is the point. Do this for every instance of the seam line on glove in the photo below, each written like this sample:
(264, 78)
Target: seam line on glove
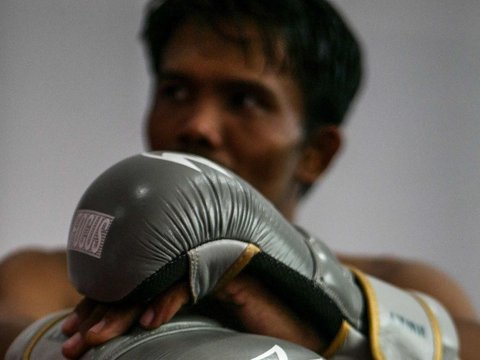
(315, 249)
(193, 255)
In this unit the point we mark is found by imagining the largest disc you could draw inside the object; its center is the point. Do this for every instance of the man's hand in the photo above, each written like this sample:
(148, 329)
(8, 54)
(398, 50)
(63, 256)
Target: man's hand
(261, 312)
(255, 308)
(93, 323)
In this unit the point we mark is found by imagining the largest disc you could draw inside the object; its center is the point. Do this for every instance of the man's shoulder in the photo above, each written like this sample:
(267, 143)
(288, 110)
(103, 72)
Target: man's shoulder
(30, 268)
(34, 282)
(31, 259)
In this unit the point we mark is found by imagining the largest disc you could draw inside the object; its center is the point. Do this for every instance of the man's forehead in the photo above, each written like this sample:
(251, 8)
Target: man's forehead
(254, 43)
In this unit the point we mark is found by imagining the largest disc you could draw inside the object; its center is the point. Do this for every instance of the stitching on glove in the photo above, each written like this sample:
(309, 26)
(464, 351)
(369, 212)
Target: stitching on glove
(194, 261)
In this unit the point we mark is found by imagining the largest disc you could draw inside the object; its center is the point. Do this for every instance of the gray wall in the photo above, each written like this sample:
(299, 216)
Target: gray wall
(74, 88)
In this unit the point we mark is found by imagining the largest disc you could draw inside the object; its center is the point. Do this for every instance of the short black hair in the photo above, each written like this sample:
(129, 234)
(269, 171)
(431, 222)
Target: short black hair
(323, 53)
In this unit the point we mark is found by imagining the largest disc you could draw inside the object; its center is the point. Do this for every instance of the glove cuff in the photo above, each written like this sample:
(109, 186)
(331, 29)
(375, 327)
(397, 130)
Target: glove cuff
(405, 324)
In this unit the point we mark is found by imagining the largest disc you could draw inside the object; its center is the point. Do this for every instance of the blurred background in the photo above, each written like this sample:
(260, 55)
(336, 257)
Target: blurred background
(74, 90)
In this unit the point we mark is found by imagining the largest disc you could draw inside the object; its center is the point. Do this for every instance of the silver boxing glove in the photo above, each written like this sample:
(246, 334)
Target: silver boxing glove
(185, 337)
(157, 218)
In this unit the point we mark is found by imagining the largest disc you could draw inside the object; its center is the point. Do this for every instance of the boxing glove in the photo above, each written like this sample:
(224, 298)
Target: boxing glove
(185, 337)
(157, 218)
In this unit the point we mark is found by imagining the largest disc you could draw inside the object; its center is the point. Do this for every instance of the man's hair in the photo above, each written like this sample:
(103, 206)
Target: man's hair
(322, 53)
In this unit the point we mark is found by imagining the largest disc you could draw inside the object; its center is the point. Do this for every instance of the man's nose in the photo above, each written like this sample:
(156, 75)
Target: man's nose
(202, 127)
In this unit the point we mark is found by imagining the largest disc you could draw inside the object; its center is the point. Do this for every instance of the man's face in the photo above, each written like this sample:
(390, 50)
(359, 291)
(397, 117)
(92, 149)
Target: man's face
(215, 100)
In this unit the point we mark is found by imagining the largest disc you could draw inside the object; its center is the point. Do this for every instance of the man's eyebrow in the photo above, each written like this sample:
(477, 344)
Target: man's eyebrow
(225, 84)
(171, 75)
(254, 86)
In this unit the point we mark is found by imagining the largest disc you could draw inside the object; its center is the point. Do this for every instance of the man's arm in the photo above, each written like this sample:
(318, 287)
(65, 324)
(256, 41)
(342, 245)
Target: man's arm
(32, 284)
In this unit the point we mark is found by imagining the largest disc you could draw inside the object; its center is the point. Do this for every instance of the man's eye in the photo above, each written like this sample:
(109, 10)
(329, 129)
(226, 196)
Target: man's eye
(245, 101)
(174, 92)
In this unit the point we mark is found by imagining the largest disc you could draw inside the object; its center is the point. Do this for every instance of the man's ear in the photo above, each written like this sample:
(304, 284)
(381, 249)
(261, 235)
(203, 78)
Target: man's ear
(318, 152)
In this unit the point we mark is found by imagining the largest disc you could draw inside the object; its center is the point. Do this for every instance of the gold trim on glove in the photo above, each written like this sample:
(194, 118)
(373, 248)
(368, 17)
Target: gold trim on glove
(40, 333)
(437, 335)
(250, 251)
(374, 316)
(338, 341)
